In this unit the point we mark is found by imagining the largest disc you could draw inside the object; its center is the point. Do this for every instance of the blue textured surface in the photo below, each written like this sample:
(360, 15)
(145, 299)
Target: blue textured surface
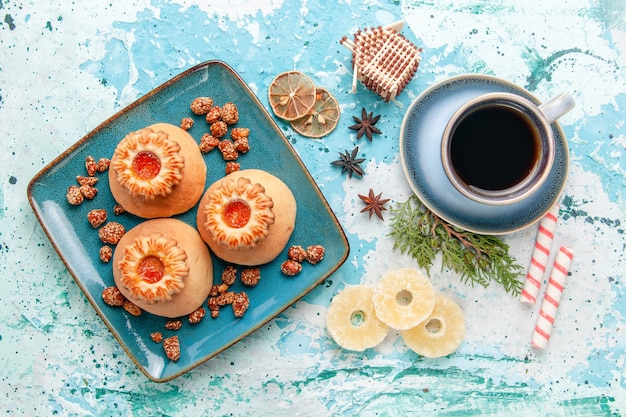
(68, 66)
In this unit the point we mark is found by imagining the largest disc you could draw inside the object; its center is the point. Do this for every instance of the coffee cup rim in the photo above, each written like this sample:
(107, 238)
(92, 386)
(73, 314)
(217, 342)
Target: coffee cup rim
(528, 185)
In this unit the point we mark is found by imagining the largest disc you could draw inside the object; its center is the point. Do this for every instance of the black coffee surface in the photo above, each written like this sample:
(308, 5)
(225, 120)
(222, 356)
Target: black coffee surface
(494, 148)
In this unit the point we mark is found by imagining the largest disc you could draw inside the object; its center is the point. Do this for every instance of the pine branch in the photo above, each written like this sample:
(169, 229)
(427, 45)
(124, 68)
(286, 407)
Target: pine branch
(480, 259)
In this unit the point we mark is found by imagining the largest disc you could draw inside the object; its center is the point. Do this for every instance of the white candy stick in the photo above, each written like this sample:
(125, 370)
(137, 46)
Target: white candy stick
(541, 252)
(552, 297)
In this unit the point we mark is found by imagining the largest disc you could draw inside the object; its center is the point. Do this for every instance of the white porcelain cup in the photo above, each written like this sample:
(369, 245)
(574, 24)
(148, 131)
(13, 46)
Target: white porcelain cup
(499, 148)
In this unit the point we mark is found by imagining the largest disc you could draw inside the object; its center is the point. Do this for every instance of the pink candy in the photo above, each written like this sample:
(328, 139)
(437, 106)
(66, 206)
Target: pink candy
(552, 298)
(541, 252)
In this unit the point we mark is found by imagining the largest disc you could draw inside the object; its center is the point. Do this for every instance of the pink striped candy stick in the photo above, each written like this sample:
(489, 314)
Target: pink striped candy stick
(552, 297)
(541, 252)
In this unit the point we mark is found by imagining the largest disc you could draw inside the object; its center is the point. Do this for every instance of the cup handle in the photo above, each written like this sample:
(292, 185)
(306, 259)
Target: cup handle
(557, 106)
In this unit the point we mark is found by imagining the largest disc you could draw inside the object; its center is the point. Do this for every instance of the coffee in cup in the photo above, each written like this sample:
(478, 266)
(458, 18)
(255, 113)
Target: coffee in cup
(499, 147)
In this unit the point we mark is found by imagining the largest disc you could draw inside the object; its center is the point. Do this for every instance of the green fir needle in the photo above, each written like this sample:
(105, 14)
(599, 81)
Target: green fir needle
(480, 259)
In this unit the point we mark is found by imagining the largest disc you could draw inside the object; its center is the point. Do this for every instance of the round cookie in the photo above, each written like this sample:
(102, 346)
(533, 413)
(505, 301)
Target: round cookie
(247, 217)
(157, 171)
(164, 267)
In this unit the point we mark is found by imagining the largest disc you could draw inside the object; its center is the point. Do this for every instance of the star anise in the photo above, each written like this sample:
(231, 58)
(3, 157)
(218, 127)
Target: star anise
(374, 204)
(365, 125)
(350, 163)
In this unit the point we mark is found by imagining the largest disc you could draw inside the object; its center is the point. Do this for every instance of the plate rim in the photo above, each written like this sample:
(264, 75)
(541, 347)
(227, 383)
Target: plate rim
(34, 204)
(492, 79)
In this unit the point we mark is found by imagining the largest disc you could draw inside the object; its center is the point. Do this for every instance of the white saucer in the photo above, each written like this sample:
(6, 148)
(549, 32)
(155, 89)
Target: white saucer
(420, 151)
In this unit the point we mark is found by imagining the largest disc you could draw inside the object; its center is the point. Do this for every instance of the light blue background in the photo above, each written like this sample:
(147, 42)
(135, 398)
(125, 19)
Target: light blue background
(66, 67)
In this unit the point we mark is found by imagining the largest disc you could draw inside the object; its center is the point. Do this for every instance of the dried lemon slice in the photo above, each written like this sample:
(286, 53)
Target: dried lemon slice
(292, 95)
(403, 298)
(321, 119)
(441, 333)
(351, 319)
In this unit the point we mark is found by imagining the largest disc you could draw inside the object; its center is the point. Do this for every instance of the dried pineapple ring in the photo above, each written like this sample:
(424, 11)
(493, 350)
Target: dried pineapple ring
(441, 333)
(403, 298)
(291, 95)
(351, 319)
(321, 119)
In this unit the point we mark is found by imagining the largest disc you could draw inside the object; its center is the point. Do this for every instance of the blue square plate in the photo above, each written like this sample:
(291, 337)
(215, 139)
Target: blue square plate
(78, 244)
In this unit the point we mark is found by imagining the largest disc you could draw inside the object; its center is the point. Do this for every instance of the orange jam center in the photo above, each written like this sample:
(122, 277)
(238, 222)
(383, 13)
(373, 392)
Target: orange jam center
(236, 213)
(151, 269)
(146, 165)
